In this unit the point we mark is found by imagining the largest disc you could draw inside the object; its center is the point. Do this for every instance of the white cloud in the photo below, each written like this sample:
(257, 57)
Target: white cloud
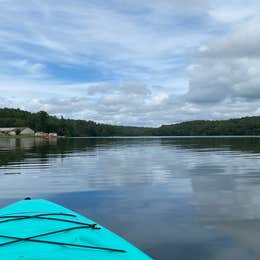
(144, 48)
(127, 44)
(233, 11)
(22, 68)
(224, 77)
(229, 67)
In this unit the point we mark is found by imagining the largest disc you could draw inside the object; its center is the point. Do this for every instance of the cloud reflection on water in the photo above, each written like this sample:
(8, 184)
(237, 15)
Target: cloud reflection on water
(199, 196)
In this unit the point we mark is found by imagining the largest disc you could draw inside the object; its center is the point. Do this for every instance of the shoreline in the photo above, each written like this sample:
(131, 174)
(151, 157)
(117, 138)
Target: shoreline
(27, 136)
(131, 137)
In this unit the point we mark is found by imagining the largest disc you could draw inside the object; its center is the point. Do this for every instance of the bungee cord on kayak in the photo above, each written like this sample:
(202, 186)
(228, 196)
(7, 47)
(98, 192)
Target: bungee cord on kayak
(45, 217)
(40, 229)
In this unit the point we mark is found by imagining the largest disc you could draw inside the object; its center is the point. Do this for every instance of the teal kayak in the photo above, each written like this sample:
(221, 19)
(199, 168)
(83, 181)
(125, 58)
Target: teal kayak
(42, 230)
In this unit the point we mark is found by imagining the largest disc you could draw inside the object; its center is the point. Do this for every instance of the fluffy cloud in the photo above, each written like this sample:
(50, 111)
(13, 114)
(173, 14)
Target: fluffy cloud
(22, 68)
(95, 34)
(121, 104)
(151, 63)
(228, 68)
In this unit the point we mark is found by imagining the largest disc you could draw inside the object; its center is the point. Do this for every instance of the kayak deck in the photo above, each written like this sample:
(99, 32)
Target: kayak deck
(42, 230)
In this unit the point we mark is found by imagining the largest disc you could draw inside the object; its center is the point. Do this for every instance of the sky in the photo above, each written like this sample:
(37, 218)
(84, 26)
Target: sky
(131, 62)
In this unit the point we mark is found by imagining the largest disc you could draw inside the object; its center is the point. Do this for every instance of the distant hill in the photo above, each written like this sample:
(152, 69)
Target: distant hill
(42, 121)
(242, 126)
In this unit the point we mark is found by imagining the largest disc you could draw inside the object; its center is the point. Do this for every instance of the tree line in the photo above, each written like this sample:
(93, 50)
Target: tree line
(42, 121)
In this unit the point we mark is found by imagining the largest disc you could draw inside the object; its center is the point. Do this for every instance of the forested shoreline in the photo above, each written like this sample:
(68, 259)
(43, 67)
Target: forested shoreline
(42, 121)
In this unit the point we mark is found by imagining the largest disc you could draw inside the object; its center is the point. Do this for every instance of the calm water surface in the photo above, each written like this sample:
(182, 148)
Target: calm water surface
(175, 198)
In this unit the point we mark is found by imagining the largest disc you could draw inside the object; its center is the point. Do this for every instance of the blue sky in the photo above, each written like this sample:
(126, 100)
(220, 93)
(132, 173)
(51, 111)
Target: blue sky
(131, 62)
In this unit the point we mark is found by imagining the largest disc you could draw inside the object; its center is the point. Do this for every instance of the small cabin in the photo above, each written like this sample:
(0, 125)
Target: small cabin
(12, 131)
(53, 135)
(41, 134)
(26, 131)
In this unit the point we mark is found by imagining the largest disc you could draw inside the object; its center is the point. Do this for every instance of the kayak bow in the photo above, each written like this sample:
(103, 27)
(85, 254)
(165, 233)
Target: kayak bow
(42, 230)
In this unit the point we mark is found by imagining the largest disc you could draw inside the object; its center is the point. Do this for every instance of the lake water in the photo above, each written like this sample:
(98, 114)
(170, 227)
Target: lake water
(175, 198)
